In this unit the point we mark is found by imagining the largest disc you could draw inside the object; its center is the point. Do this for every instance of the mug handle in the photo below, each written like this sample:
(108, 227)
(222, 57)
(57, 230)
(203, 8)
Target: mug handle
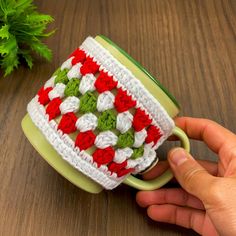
(166, 176)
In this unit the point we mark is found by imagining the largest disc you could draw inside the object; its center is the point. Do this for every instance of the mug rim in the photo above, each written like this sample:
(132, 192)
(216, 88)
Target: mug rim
(157, 82)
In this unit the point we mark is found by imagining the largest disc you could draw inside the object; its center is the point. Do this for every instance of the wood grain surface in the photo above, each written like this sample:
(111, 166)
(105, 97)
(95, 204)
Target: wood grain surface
(188, 45)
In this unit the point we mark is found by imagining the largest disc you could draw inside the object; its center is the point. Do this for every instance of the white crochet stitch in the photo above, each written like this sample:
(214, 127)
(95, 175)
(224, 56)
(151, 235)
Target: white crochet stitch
(133, 86)
(74, 72)
(87, 83)
(67, 64)
(57, 91)
(105, 101)
(106, 139)
(124, 121)
(121, 154)
(50, 82)
(87, 122)
(139, 138)
(70, 104)
(149, 155)
(133, 163)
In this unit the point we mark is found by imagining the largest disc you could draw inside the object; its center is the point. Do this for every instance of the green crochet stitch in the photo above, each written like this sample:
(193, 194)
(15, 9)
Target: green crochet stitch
(88, 102)
(61, 76)
(56, 71)
(107, 120)
(137, 152)
(126, 139)
(72, 88)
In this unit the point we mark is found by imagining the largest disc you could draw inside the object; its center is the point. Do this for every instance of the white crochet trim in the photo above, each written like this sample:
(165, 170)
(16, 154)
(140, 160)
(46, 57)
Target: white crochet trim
(149, 155)
(105, 101)
(87, 122)
(121, 154)
(133, 86)
(124, 121)
(133, 163)
(139, 138)
(64, 145)
(67, 64)
(57, 91)
(70, 104)
(87, 83)
(106, 139)
(50, 82)
(74, 72)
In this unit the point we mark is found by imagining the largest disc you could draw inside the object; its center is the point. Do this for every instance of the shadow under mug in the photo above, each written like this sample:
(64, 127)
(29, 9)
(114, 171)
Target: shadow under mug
(167, 101)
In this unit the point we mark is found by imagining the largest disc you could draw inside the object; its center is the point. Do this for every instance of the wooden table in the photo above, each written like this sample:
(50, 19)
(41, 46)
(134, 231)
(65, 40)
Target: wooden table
(188, 45)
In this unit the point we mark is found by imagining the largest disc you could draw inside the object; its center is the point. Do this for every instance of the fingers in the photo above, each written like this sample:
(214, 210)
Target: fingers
(182, 216)
(191, 175)
(162, 166)
(174, 196)
(213, 134)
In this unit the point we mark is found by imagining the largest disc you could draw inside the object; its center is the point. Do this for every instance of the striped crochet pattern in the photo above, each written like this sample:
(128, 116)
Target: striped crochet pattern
(99, 117)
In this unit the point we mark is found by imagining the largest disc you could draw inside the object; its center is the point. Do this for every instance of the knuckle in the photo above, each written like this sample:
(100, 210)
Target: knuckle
(214, 194)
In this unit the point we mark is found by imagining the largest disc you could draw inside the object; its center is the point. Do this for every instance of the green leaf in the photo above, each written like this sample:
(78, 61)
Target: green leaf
(4, 32)
(21, 31)
(39, 19)
(22, 5)
(27, 57)
(9, 62)
(8, 45)
(41, 49)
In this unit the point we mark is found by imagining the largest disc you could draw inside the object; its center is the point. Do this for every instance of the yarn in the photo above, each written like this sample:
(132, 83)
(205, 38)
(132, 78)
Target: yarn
(88, 102)
(72, 88)
(103, 156)
(67, 123)
(153, 134)
(104, 82)
(89, 66)
(137, 152)
(79, 56)
(53, 109)
(85, 140)
(126, 139)
(123, 101)
(107, 120)
(43, 95)
(141, 120)
(62, 76)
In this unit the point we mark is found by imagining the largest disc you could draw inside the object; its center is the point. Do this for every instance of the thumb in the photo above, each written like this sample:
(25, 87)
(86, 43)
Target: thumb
(191, 176)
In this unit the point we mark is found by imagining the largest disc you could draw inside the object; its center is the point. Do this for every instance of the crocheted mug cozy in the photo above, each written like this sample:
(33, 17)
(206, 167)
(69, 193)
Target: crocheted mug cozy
(99, 117)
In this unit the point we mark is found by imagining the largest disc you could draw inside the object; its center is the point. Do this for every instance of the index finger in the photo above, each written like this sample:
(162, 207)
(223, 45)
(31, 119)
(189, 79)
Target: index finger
(213, 134)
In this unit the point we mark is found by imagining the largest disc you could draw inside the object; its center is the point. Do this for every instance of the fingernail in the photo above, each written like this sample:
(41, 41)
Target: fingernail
(178, 156)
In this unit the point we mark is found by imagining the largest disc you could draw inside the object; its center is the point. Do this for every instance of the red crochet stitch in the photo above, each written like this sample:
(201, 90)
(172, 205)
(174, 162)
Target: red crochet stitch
(53, 108)
(124, 171)
(103, 156)
(79, 56)
(43, 95)
(89, 66)
(123, 101)
(104, 82)
(67, 123)
(153, 134)
(141, 120)
(85, 140)
(115, 167)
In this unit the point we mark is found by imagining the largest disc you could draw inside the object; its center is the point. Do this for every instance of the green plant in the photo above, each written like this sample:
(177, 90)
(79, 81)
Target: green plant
(21, 30)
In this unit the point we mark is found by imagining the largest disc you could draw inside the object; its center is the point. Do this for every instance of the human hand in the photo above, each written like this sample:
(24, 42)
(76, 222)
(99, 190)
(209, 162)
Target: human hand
(207, 200)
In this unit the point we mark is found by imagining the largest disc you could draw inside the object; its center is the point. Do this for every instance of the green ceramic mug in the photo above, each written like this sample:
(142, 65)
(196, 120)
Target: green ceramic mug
(101, 143)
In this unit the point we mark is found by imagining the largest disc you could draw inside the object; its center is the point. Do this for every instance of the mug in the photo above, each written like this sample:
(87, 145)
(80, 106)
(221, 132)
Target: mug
(100, 118)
